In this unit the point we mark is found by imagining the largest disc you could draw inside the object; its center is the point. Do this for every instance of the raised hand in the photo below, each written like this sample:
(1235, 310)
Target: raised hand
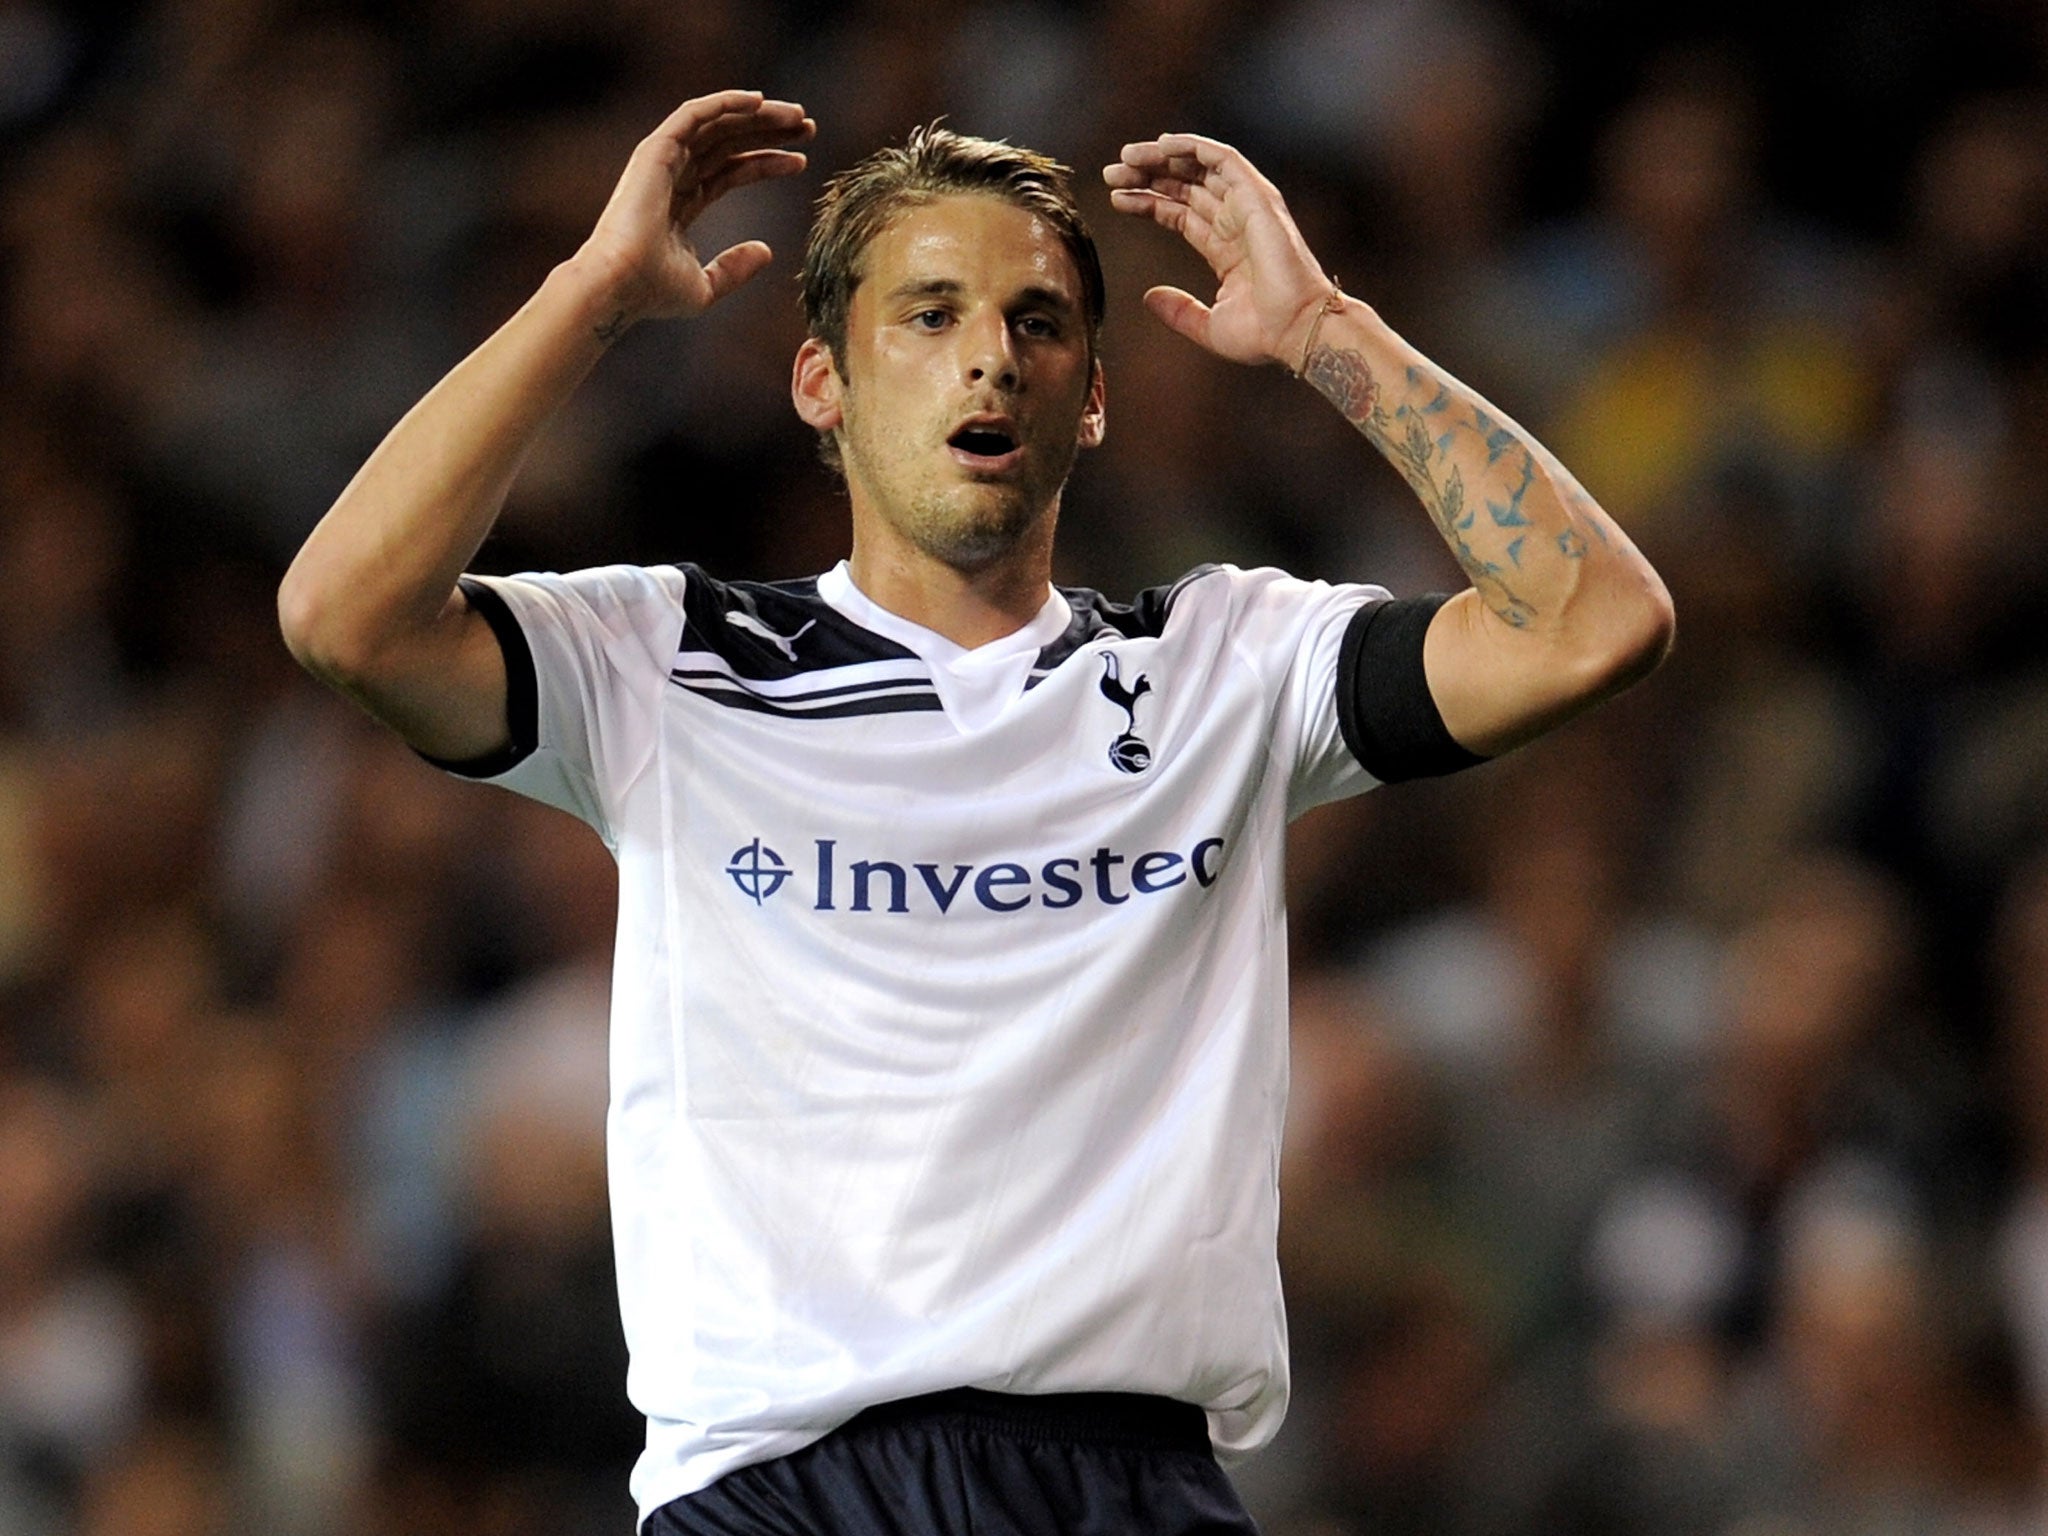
(1269, 283)
(701, 151)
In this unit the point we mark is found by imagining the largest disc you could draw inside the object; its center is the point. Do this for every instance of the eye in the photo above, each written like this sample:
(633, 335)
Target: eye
(1043, 327)
(929, 319)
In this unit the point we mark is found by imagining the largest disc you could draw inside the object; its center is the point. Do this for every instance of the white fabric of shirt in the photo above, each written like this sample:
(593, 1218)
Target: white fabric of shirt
(1011, 1120)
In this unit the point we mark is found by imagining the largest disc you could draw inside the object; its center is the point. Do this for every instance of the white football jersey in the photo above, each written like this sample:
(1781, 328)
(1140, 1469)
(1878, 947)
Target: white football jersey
(950, 1002)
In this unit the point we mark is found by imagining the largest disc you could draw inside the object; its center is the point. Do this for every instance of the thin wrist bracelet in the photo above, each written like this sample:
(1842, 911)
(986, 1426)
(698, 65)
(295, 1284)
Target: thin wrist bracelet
(1331, 305)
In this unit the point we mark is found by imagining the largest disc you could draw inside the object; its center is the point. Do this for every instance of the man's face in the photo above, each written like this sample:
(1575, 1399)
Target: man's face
(966, 384)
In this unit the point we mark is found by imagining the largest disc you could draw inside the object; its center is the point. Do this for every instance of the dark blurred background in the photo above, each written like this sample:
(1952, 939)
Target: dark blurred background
(1669, 1142)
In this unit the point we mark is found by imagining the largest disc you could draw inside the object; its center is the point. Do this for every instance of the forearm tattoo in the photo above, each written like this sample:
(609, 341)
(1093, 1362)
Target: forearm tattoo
(611, 330)
(1343, 379)
(1499, 553)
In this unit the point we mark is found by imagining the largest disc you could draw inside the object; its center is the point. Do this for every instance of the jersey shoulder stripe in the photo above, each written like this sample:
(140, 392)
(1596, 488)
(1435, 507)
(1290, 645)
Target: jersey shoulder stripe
(869, 704)
(867, 690)
(1144, 617)
(778, 648)
(701, 672)
(770, 631)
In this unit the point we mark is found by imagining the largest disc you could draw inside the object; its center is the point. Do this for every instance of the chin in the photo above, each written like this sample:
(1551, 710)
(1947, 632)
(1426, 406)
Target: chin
(973, 539)
(972, 549)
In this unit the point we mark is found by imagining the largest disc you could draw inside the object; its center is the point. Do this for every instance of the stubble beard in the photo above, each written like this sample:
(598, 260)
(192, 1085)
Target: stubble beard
(972, 538)
(969, 527)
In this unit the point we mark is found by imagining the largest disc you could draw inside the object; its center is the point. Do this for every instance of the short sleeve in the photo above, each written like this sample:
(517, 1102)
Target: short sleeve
(598, 645)
(1291, 632)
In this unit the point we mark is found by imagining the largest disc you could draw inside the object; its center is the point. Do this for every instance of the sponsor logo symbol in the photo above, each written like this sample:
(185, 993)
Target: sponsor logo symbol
(757, 871)
(739, 618)
(1127, 754)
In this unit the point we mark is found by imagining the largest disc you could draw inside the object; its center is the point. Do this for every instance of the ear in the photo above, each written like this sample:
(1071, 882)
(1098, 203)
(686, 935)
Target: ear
(815, 387)
(1094, 412)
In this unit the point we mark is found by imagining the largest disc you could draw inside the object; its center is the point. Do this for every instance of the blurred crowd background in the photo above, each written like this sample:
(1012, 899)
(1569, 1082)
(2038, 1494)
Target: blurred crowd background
(1669, 1143)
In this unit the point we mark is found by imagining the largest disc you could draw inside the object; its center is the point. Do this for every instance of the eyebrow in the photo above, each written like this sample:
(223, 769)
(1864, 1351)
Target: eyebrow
(946, 288)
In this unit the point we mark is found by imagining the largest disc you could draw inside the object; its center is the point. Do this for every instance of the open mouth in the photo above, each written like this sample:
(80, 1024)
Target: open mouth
(981, 445)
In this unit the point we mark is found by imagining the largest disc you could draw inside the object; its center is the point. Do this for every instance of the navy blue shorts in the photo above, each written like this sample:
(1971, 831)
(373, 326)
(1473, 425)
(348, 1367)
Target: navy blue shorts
(971, 1463)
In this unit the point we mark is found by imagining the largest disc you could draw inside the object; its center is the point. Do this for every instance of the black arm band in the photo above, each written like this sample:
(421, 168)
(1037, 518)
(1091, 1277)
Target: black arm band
(522, 690)
(1384, 707)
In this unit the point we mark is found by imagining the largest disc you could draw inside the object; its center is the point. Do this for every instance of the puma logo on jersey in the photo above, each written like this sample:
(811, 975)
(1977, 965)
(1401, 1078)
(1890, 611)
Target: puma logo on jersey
(1127, 754)
(739, 618)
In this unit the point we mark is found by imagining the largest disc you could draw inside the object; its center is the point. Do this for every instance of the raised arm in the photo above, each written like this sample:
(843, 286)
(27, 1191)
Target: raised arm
(370, 604)
(1563, 610)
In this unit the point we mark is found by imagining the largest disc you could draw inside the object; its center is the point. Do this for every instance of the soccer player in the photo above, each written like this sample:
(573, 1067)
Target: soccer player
(949, 1004)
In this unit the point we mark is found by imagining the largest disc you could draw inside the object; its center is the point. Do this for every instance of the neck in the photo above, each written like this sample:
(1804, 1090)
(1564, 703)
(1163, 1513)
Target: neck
(970, 608)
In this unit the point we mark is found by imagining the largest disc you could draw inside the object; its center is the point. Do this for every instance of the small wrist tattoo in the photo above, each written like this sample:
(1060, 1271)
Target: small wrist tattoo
(612, 329)
(1344, 379)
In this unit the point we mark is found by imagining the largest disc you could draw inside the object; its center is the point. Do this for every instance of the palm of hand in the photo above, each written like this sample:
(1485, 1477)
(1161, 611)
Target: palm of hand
(1267, 278)
(678, 275)
(1259, 271)
(648, 226)
(704, 149)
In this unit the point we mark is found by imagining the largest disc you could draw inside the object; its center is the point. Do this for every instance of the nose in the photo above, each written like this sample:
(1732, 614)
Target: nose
(991, 352)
